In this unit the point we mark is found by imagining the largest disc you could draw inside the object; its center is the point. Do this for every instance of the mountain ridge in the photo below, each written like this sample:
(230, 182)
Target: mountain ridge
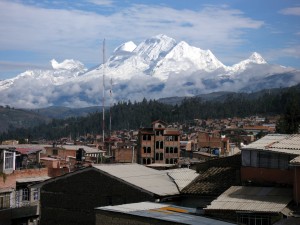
(157, 67)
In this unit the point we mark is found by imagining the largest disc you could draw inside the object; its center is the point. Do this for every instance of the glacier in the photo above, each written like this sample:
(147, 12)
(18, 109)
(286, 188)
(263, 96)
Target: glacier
(157, 67)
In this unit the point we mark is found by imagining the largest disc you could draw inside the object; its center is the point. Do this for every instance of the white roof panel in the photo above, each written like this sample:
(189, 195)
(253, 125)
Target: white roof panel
(182, 177)
(151, 180)
(282, 143)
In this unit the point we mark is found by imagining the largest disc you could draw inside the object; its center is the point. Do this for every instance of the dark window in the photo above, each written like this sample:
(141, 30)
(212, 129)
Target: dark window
(171, 149)
(161, 156)
(176, 138)
(167, 161)
(144, 148)
(157, 156)
(167, 149)
(175, 150)
(144, 161)
(161, 145)
(148, 161)
(54, 152)
(149, 150)
(157, 144)
(144, 137)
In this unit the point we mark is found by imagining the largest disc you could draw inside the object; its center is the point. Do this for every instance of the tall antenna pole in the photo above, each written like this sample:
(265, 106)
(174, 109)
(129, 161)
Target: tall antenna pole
(110, 105)
(103, 93)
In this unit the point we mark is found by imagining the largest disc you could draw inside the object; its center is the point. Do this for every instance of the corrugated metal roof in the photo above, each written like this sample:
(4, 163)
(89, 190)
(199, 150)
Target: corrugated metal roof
(282, 143)
(163, 212)
(255, 199)
(182, 177)
(154, 181)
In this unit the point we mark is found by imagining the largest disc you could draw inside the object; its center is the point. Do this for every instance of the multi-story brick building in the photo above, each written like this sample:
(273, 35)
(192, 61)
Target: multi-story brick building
(159, 144)
(213, 142)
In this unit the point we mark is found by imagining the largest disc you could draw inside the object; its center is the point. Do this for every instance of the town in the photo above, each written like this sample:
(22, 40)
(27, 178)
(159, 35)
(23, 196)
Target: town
(214, 171)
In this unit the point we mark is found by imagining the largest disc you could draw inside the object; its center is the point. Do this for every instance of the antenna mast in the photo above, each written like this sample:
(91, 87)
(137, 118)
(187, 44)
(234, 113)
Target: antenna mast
(103, 93)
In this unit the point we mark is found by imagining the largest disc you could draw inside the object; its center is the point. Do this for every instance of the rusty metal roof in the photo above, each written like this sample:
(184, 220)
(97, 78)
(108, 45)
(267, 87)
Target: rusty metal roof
(253, 199)
(163, 212)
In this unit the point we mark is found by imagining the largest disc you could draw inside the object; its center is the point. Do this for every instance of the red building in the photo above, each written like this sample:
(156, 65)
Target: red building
(159, 144)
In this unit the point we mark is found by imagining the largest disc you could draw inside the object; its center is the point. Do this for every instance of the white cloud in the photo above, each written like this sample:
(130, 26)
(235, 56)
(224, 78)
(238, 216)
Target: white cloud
(101, 2)
(78, 34)
(294, 11)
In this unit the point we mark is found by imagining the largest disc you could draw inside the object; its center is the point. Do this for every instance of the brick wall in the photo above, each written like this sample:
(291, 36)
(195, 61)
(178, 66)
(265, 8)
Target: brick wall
(9, 180)
(115, 218)
(71, 200)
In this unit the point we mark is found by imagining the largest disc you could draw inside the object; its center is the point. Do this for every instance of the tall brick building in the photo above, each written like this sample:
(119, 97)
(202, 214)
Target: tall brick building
(159, 144)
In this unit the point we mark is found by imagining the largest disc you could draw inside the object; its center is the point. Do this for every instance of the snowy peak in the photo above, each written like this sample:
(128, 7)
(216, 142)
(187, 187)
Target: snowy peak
(257, 58)
(154, 48)
(68, 64)
(126, 47)
(184, 57)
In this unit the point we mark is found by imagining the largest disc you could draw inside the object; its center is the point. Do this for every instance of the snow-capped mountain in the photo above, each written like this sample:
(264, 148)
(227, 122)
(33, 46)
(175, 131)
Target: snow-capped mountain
(157, 67)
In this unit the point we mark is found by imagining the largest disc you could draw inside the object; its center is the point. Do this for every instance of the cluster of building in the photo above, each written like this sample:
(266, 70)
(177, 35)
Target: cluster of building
(165, 174)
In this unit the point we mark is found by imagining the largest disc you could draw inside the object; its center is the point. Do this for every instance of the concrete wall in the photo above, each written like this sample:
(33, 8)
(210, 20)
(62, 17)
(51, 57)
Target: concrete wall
(71, 200)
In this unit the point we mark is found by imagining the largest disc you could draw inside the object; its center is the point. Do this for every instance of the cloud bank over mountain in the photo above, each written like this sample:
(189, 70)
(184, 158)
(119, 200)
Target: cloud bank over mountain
(157, 67)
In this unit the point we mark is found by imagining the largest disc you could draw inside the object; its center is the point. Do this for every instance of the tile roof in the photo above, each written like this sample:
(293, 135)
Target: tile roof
(254, 199)
(163, 212)
(212, 182)
(282, 143)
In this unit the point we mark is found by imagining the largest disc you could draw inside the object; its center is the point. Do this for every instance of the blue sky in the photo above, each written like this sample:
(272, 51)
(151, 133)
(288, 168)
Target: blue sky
(35, 31)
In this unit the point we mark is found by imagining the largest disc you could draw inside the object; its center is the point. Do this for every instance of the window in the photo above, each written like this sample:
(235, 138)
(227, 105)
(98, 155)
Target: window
(167, 149)
(175, 150)
(149, 150)
(35, 194)
(54, 152)
(148, 161)
(167, 161)
(157, 145)
(4, 200)
(9, 160)
(265, 159)
(146, 137)
(161, 156)
(144, 161)
(25, 194)
(176, 138)
(254, 219)
(161, 145)
(156, 156)
(171, 149)
(144, 148)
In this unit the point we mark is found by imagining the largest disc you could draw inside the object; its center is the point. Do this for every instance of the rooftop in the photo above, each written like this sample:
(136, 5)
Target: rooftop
(151, 180)
(255, 199)
(282, 143)
(164, 212)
